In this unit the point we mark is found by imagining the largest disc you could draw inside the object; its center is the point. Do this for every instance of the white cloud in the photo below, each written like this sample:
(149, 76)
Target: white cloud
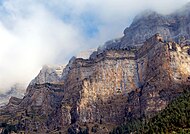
(32, 40)
(38, 32)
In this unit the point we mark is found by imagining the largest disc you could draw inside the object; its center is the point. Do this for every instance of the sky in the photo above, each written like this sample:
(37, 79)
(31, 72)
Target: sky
(38, 32)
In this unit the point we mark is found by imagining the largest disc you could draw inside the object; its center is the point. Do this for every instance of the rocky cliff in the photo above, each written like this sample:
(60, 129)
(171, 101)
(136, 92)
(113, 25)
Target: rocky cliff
(112, 86)
(49, 74)
(162, 68)
(107, 90)
(120, 84)
(175, 26)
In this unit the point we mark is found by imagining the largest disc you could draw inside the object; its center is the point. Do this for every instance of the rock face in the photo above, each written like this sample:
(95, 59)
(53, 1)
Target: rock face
(38, 112)
(163, 69)
(49, 74)
(107, 90)
(93, 87)
(40, 109)
(175, 26)
(120, 84)
(114, 85)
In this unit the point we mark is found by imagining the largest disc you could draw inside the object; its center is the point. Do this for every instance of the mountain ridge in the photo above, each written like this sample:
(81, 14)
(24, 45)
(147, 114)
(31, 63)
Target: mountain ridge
(119, 81)
(114, 87)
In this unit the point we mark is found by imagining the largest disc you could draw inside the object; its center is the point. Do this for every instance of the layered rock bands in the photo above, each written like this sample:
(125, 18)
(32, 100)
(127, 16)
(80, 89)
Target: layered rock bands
(107, 89)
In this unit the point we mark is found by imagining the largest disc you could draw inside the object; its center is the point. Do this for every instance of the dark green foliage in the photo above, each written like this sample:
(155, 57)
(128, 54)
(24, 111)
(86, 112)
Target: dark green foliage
(174, 118)
(94, 128)
(7, 129)
(71, 130)
(78, 130)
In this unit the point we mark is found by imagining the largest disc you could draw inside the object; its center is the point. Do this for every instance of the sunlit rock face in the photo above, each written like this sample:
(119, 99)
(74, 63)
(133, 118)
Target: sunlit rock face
(130, 77)
(179, 62)
(163, 70)
(109, 88)
(122, 84)
(93, 87)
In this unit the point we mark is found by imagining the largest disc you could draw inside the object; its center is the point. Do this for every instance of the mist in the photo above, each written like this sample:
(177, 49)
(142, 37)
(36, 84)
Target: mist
(36, 32)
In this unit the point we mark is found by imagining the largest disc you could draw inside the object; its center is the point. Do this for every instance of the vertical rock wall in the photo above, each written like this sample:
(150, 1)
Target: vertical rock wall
(163, 69)
(99, 88)
(119, 84)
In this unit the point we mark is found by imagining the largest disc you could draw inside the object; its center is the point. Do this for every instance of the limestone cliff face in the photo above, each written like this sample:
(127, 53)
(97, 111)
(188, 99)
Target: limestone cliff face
(96, 90)
(121, 83)
(107, 89)
(135, 76)
(163, 69)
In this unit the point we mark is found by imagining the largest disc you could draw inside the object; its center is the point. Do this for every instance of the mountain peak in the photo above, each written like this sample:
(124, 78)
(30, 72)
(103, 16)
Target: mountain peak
(49, 74)
(148, 23)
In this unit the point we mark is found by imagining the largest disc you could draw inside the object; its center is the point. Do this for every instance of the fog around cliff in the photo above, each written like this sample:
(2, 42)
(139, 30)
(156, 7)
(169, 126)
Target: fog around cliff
(38, 32)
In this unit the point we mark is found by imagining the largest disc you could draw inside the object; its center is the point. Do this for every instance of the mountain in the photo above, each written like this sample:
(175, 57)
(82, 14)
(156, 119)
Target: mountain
(49, 74)
(119, 82)
(175, 26)
(16, 90)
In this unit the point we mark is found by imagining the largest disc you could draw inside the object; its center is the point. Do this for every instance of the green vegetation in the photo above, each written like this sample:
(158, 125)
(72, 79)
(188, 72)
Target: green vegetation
(78, 130)
(175, 118)
(7, 128)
